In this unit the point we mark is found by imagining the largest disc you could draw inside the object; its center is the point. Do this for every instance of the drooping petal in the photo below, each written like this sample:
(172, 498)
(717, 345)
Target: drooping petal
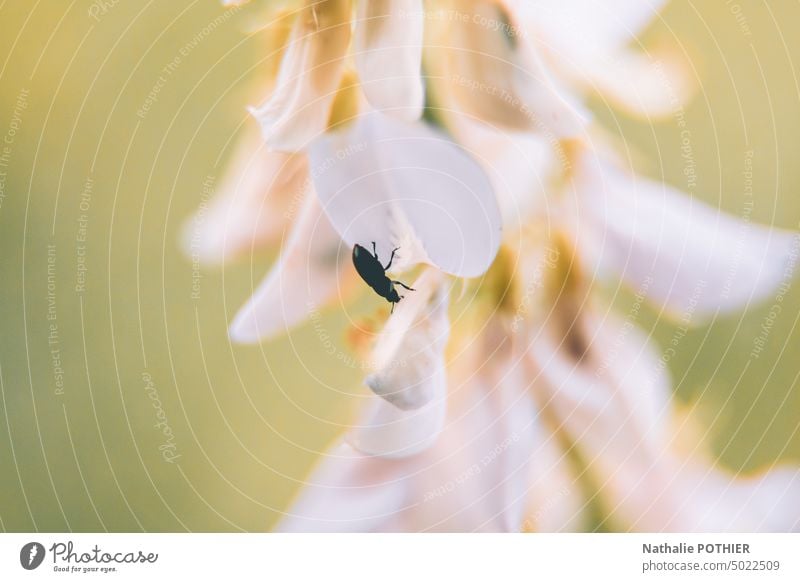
(689, 256)
(474, 478)
(613, 406)
(297, 111)
(406, 185)
(408, 357)
(388, 55)
(249, 207)
(484, 64)
(312, 271)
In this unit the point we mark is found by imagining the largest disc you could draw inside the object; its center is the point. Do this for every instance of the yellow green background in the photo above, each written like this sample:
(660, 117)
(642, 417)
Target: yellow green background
(249, 420)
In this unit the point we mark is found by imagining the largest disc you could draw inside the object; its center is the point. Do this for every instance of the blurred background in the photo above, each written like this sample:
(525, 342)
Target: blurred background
(102, 313)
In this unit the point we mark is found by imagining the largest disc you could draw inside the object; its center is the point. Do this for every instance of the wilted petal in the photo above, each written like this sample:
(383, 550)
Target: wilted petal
(406, 185)
(308, 275)
(409, 354)
(688, 256)
(614, 406)
(300, 104)
(474, 478)
(388, 55)
(249, 207)
(483, 63)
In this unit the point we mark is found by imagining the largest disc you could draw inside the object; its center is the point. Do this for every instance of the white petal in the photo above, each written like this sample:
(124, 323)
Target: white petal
(409, 354)
(388, 55)
(249, 207)
(347, 492)
(587, 26)
(479, 471)
(711, 499)
(587, 41)
(555, 497)
(519, 164)
(586, 397)
(509, 466)
(308, 275)
(406, 185)
(474, 478)
(688, 256)
(311, 69)
(644, 85)
(389, 432)
(614, 406)
(484, 64)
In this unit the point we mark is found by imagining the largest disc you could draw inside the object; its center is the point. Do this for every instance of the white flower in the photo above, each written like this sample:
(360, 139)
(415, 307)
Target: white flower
(695, 256)
(249, 210)
(494, 468)
(593, 44)
(610, 399)
(487, 426)
(380, 180)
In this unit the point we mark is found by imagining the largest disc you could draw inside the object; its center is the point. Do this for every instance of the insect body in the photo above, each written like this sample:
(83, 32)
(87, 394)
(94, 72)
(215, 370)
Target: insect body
(374, 274)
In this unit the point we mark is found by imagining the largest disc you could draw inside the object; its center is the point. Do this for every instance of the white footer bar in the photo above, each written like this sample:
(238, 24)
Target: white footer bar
(401, 557)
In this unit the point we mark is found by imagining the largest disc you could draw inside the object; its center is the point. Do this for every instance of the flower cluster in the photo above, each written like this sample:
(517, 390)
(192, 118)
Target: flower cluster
(457, 131)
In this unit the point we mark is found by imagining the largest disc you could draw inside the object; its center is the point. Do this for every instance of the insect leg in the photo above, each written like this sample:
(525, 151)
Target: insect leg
(404, 285)
(374, 250)
(389, 265)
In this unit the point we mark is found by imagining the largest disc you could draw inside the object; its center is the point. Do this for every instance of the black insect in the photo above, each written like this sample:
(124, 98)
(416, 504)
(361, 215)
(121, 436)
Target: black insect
(374, 274)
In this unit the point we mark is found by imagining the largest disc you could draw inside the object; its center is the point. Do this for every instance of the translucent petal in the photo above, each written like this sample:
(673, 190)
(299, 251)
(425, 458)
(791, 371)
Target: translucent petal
(614, 406)
(689, 256)
(347, 492)
(311, 272)
(248, 209)
(406, 185)
(474, 478)
(519, 165)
